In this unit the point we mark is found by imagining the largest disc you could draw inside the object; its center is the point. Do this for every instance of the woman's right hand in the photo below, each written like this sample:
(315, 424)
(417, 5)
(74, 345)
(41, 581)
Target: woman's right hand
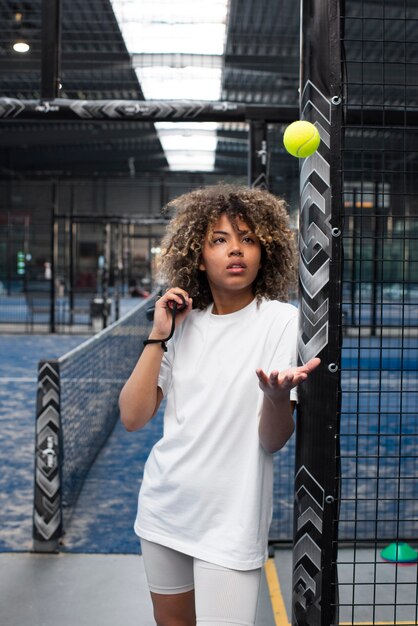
(163, 312)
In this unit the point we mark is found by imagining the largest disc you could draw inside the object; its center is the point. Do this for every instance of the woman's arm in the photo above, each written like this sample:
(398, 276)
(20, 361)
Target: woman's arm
(276, 422)
(140, 397)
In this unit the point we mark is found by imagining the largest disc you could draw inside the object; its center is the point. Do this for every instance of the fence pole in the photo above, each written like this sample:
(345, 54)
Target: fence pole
(50, 49)
(317, 457)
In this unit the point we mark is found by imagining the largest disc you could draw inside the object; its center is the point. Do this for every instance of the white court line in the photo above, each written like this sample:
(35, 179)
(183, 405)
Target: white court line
(17, 379)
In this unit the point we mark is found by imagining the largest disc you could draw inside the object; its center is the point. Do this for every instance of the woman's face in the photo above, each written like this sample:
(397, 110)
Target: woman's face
(231, 257)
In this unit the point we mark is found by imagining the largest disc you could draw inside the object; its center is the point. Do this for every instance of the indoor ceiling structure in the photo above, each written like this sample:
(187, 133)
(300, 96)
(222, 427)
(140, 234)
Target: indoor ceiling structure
(237, 51)
(244, 51)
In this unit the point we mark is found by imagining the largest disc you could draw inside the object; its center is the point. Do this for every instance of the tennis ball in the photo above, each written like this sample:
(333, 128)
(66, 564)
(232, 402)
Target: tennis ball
(301, 139)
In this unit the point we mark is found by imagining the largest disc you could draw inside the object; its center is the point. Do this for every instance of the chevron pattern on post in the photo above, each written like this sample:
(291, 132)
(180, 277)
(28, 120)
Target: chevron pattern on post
(315, 229)
(307, 549)
(47, 518)
(260, 182)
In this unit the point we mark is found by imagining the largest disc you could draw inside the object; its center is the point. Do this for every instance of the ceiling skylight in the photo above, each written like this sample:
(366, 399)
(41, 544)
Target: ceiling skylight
(187, 38)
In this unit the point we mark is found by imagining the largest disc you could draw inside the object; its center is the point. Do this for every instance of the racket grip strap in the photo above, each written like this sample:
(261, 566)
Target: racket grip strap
(160, 341)
(173, 325)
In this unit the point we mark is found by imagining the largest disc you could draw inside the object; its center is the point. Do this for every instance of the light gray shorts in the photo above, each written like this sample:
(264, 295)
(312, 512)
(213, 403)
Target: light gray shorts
(222, 595)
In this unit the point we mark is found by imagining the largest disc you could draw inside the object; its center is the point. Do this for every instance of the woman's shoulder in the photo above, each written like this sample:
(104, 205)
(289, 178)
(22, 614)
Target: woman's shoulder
(278, 320)
(198, 314)
(276, 307)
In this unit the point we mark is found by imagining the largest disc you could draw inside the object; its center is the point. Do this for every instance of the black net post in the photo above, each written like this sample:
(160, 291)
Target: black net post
(72, 257)
(107, 233)
(51, 48)
(54, 259)
(317, 483)
(258, 155)
(47, 511)
(118, 268)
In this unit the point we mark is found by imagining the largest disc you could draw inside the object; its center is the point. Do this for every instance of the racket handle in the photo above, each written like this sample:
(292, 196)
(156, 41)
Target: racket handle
(171, 304)
(174, 305)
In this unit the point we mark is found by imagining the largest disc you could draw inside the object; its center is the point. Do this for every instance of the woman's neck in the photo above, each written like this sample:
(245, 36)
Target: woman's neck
(224, 305)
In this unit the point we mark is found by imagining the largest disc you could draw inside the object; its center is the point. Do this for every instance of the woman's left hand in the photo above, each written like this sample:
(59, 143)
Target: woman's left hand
(278, 384)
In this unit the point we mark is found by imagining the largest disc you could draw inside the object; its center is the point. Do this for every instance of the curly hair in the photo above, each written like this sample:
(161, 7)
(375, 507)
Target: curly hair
(195, 213)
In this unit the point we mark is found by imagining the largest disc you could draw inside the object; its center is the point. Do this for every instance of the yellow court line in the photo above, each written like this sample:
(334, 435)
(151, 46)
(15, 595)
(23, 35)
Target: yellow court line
(276, 598)
(279, 609)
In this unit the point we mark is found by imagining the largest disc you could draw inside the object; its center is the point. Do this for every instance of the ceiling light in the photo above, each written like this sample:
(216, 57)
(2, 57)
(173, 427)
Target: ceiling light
(21, 46)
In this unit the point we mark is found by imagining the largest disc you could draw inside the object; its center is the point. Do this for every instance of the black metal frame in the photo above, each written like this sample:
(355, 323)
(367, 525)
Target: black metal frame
(51, 49)
(317, 485)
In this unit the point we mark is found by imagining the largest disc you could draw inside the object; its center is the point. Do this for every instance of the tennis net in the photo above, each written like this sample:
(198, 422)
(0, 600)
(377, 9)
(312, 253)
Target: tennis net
(77, 409)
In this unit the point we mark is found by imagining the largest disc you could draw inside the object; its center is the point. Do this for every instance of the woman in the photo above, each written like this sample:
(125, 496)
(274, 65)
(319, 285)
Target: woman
(229, 376)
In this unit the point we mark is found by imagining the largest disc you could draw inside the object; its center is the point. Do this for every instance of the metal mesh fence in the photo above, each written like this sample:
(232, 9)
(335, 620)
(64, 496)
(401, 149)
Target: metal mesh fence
(379, 414)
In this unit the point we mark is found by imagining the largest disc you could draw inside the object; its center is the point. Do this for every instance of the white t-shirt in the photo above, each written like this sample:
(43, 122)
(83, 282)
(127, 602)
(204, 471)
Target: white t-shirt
(208, 483)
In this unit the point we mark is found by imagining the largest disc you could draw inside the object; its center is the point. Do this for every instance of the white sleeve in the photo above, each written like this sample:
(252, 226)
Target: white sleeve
(164, 377)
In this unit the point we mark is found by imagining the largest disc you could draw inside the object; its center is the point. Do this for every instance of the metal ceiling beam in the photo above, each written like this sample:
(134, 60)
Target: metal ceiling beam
(114, 62)
(51, 136)
(12, 109)
(144, 111)
(177, 59)
(264, 63)
(75, 61)
(74, 161)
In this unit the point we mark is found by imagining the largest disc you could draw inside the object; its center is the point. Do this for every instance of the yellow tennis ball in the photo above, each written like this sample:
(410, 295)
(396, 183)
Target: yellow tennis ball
(301, 139)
